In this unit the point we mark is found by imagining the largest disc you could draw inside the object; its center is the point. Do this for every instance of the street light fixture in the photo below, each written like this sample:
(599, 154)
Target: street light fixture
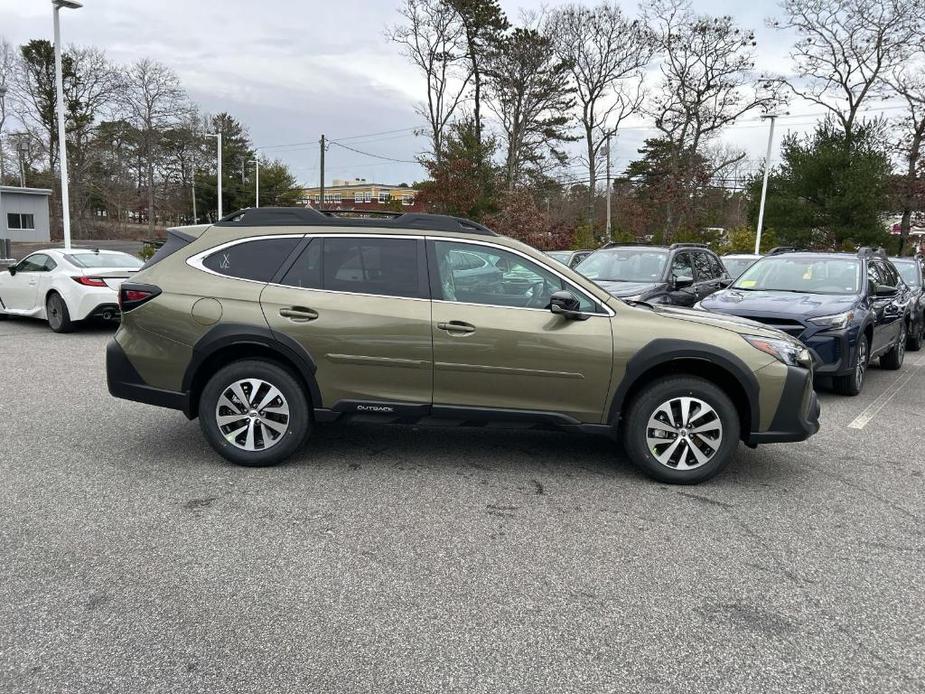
(59, 103)
(218, 139)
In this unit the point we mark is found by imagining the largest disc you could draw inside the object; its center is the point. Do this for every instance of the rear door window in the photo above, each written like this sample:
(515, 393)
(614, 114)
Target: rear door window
(256, 260)
(703, 266)
(384, 266)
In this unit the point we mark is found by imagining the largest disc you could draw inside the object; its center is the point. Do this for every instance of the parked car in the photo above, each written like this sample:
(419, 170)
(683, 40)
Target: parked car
(737, 263)
(912, 271)
(569, 258)
(275, 320)
(846, 308)
(65, 287)
(680, 274)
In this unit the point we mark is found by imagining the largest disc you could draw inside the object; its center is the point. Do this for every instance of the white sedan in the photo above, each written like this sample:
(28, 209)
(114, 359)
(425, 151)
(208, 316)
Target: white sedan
(64, 287)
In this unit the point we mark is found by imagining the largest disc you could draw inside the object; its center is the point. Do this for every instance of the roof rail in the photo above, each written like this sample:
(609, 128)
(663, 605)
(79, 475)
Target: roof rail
(777, 250)
(309, 216)
(617, 244)
(687, 245)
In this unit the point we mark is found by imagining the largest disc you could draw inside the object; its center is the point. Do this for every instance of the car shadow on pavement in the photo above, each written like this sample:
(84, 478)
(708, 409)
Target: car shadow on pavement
(350, 446)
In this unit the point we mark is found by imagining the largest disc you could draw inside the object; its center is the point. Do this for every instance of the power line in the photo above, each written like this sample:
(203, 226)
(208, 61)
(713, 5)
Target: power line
(375, 156)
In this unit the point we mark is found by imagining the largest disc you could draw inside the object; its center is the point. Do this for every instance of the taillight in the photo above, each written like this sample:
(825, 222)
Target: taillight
(134, 295)
(89, 281)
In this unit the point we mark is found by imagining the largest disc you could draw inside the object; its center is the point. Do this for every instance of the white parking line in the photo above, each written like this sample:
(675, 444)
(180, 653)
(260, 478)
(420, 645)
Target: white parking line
(874, 408)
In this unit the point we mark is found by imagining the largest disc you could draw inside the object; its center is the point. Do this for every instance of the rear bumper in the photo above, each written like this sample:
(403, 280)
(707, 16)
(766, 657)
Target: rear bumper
(125, 382)
(797, 416)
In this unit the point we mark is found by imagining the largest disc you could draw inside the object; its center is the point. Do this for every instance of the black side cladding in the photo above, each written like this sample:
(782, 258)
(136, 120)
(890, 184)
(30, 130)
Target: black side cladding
(176, 240)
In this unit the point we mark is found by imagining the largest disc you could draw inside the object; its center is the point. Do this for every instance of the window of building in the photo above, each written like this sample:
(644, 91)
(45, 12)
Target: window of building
(407, 200)
(17, 220)
(368, 196)
(358, 197)
(252, 260)
(384, 196)
(337, 197)
(387, 267)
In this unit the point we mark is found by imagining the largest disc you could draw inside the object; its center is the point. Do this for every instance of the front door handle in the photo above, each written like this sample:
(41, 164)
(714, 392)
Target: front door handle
(298, 313)
(457, 326)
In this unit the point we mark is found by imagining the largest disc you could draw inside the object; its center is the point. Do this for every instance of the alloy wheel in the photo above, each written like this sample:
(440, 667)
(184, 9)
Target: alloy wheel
(861, 366)
(252, 414)
(53, 309)
(684, 433)
(901, 345)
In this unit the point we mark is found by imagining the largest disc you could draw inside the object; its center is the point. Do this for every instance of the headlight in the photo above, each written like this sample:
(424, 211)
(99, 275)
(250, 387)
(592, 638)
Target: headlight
(782, 350)
(835, 322)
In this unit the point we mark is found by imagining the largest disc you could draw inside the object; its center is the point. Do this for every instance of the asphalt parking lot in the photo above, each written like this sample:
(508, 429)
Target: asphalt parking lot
(133, 559)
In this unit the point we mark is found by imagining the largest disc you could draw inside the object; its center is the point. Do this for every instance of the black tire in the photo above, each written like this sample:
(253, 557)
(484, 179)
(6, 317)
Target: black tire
(852, 384)
(297, 426)
(914, 341)
(893, 360)
(668, 392)
(59, 318)
(4, 316)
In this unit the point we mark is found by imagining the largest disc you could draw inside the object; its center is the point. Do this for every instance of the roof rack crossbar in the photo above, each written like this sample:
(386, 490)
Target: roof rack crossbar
(308, 216)
(687, 245)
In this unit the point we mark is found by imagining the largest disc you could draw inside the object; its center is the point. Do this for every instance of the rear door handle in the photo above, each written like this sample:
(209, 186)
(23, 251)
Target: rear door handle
(457, 326)
(298, 313)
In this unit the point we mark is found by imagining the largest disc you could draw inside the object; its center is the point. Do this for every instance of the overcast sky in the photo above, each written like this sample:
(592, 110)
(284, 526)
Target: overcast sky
(294, 69)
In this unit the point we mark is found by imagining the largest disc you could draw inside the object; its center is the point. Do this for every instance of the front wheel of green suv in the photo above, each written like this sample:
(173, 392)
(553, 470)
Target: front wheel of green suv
(254, 413)
(681, 430)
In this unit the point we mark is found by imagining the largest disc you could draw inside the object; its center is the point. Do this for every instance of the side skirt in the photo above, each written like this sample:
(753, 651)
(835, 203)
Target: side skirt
(388, 412)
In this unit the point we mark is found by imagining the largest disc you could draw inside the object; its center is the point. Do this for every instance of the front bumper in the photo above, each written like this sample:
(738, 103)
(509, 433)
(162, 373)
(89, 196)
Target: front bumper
(833, 351)
(797, 415)
(125, 382)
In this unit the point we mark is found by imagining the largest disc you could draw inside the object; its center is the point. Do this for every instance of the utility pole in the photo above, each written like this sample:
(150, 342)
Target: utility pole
(764, 184)
(193, 182)
(321, 186)
(62, 139)
(218, 138)
(23, 150)
(609, 231)
(256, 162)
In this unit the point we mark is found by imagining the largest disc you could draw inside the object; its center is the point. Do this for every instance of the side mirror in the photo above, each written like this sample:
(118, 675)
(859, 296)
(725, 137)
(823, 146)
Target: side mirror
(12, 269)
(884, 290)
(566, 304)
(681, 282)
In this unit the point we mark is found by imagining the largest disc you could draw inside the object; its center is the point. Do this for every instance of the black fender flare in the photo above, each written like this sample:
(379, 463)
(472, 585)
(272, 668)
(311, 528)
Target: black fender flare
(235, 334)
(666, 350)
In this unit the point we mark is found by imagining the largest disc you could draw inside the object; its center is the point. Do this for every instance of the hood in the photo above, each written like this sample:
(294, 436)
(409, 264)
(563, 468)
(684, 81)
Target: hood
(780, 304)
(735, 324)
(621, 288)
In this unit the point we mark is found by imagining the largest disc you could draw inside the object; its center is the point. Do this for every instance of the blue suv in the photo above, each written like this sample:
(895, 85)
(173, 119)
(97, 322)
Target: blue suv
(846, 308)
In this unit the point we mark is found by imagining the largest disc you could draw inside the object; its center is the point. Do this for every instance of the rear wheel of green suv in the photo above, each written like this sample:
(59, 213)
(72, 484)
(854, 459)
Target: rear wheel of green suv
(681, 430)
(254, 413)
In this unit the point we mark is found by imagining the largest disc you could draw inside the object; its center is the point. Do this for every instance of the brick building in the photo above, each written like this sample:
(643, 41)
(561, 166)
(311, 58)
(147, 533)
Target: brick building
(359, 194)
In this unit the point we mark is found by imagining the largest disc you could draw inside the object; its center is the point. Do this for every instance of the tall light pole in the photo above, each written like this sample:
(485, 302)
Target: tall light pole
(764, 184)
(59, 103)
(256, 162)
(218, 138)
(3, 223)
(609, 229)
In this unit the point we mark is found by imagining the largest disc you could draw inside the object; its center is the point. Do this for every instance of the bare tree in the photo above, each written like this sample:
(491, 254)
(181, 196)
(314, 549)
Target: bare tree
(7, 63)
(909, 82)
(530, 92)
(706, 84)
(433, 39)
(153, 101)
(606, 53)
(846, 48)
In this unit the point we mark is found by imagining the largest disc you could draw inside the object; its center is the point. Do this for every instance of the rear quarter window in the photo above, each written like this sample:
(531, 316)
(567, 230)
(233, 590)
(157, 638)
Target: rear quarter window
(256, 260)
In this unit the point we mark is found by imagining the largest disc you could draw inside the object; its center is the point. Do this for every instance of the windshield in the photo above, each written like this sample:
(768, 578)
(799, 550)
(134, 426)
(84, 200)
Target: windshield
(113, 260)
(624, 265)
(561, 256)
(812, 275)
(736, 266)
(908, 271)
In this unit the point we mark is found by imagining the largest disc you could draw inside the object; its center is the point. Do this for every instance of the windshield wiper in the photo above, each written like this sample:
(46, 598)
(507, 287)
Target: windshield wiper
(637, 302)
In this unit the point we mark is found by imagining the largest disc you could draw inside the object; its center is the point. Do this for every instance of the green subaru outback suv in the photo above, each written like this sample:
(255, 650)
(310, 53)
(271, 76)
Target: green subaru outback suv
(274, 320)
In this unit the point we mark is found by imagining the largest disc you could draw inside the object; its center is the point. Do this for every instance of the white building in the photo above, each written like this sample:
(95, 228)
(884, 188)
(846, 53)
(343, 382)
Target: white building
(24, 214)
